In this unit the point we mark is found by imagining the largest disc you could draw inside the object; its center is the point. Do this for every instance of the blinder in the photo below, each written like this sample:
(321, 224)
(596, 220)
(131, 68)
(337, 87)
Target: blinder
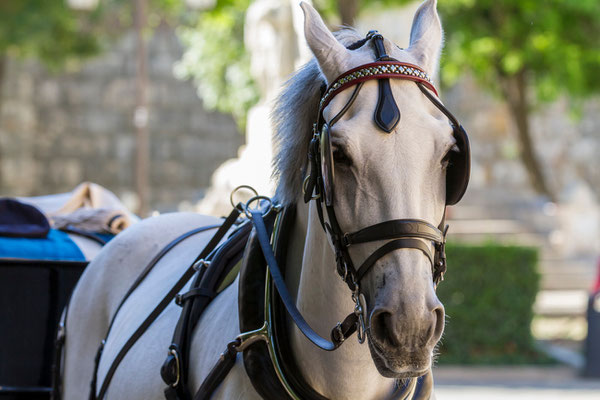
(327, 171)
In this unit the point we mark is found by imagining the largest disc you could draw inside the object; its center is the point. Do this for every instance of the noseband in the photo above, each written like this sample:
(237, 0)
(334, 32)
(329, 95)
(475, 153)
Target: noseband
(318, 185)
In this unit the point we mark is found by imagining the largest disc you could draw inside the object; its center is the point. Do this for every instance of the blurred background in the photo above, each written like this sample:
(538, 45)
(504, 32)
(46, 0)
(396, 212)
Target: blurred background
(166, 104)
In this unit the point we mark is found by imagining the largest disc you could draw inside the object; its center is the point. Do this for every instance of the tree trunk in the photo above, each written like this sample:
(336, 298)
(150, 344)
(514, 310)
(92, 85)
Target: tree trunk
(3, 62)
(514, 89)
(140, 119)
(348, 10)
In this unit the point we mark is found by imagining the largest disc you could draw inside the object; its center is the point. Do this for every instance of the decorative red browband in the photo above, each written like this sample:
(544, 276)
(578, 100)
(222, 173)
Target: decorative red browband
(377, 70)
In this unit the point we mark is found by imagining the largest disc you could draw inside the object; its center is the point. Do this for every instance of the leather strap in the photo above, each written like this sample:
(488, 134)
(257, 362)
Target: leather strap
(286, 298)
(387, 114)
(196, 292)
(134, 285)
(348, 104)
(223, 229)
(218, 373)
(216, 267)
(373, 70)
(397, 228)
(389, 247)
(83, 233)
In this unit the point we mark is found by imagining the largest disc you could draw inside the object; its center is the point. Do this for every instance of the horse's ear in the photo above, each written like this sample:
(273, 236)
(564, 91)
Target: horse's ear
(426, 37)
(331, 55)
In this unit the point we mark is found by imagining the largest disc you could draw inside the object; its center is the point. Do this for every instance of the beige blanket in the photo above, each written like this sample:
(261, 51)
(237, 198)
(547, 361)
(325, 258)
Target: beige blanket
(89, 207)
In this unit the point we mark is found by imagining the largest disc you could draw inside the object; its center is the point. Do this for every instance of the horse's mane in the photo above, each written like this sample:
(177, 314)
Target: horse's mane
(294, 112)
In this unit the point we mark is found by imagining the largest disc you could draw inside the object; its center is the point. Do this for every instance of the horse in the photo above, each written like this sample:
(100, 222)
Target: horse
(400, 166)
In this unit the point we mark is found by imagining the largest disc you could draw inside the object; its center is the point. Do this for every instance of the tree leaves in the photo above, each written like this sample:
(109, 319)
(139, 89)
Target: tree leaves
(216, 60)
(555, 42)
(47, 30)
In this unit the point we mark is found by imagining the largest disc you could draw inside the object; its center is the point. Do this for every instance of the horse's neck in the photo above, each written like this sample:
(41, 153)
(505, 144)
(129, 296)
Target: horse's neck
(324, 300)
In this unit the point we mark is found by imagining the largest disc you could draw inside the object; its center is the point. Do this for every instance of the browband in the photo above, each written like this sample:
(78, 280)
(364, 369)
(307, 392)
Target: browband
(376, 70)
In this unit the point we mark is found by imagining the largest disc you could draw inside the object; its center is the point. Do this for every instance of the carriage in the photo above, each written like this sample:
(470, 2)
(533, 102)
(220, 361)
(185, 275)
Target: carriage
(39, 267)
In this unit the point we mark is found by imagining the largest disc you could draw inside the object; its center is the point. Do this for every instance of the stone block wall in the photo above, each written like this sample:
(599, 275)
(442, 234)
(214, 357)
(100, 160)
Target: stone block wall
(59, 129)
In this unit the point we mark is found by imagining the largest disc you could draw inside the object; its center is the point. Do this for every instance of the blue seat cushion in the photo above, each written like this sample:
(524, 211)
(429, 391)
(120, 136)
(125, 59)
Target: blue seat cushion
(56, 246)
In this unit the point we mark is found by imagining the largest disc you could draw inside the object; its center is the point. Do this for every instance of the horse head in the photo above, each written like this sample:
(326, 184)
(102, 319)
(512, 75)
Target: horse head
(386, 158)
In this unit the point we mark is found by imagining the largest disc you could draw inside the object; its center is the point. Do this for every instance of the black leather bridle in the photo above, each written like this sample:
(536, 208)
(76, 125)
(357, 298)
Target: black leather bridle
(399, 233)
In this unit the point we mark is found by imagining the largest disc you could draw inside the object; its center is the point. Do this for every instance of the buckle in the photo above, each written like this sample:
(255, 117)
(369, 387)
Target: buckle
(170, 370)
(200, 263)
(360, 309)
(346, 240)
(179, 299)
(337, 334)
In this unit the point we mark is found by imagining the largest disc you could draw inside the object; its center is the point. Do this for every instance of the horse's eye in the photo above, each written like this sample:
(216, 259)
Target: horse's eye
(446, 160)
(341, 157)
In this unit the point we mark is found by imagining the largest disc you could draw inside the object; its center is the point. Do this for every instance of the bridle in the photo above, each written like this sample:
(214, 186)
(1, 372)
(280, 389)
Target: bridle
(400, 233)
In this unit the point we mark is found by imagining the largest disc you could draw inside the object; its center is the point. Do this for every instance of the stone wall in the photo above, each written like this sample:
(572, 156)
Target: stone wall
(57, 130)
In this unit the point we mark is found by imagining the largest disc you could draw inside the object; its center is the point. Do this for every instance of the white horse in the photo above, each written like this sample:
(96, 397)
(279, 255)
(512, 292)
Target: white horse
(378, 177)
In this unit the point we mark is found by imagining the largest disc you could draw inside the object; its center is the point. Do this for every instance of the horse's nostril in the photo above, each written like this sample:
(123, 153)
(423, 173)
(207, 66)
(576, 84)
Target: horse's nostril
(382, 327)
(438, 323)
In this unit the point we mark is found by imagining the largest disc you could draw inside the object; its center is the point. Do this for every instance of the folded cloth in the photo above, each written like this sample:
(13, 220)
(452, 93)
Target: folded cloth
(89, 207)
(22, 220)
(102, 220)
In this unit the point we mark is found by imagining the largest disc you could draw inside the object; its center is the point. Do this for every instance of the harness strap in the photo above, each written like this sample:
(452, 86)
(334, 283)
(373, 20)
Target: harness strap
(286, 298)
(223, 229)
(398, 228)
(345, 329)
(217, 265)
(349, 103)
(391, 246)
(218, 372)
(180, 299)
(134, 285)
(83, 233)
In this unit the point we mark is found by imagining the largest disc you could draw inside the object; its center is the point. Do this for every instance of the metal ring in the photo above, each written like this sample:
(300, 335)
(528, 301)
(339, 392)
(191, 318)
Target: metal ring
(257, 198)
(304, 184)
(174, 352)
(361, 306)
(234, 191)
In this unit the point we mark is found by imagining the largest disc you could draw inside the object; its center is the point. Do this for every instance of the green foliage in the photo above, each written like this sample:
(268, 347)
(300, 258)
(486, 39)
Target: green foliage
(216, 60)
(555, 43)
(55, 34)
(47, 30)
(488, 294)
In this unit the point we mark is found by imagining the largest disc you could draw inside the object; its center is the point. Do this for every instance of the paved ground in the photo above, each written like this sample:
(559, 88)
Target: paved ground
(513, 383)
